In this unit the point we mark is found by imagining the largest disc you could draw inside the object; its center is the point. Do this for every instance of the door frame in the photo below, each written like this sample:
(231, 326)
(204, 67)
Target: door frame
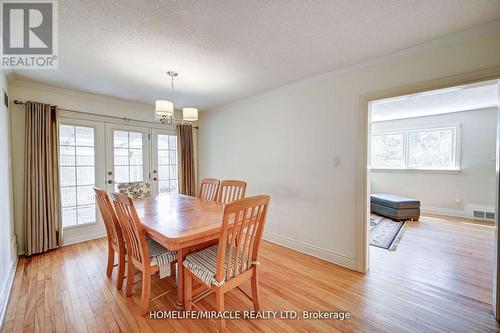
(363, 187)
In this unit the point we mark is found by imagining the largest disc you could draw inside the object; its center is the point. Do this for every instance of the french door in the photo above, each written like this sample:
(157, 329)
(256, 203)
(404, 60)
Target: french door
(80, 169)
(141, 154)
(106, 154)
(164, 161)
(127, 155)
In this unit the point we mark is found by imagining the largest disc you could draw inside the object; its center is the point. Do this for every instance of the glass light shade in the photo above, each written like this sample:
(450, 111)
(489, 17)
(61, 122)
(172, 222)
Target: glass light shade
(190, 114)
(164, 108)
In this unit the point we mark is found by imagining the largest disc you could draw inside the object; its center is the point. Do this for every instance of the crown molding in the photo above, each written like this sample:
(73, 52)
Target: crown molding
(420, 48)
(13, 81)
(416, 49)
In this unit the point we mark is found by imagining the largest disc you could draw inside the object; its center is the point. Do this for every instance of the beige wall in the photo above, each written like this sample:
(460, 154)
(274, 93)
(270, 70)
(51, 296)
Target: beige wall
(7, 243)
(286, 142)
(473, 185)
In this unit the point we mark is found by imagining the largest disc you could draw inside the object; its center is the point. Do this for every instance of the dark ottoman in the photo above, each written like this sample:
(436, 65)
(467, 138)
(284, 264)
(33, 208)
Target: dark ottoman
(395, 207)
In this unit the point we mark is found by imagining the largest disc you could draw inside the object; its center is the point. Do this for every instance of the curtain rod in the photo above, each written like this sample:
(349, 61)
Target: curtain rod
(18, 102)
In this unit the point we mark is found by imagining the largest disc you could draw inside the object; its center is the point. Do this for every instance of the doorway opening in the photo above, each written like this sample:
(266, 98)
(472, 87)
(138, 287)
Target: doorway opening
(432, 190)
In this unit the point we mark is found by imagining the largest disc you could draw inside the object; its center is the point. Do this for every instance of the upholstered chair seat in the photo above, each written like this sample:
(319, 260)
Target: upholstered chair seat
(135, 190)
(203, 264)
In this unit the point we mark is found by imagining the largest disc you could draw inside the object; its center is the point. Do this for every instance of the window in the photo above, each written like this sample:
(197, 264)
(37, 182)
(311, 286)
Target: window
(167, 163)
(431, 149)
(77, 174)
(128, 160)
(417, 149)
(388, 150)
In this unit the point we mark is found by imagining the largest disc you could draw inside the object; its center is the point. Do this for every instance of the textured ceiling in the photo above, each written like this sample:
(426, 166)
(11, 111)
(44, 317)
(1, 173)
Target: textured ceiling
(437, 102)
(226, 50)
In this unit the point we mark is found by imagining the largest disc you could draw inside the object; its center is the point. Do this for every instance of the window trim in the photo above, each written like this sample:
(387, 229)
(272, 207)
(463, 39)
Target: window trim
(457, 148)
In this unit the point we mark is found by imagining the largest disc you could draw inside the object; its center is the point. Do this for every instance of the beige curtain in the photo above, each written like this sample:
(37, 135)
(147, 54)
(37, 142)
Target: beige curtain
(186, 160)
(42, 218)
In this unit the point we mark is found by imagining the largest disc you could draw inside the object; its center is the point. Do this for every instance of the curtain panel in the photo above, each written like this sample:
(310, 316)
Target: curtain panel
(42, 212)
(186, 160)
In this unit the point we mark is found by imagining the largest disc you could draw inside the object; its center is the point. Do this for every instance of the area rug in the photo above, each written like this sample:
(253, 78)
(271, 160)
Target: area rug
(385, 233)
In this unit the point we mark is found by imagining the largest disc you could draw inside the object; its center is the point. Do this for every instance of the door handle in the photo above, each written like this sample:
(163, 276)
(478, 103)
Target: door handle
(155, 179)
(110, 181)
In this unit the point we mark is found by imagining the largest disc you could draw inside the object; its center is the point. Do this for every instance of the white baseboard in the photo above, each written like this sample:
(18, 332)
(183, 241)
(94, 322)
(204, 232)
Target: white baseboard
(83, 238)
(463, 213)
(311, 250)
(444, 211)
(75, 240)
(6, 290)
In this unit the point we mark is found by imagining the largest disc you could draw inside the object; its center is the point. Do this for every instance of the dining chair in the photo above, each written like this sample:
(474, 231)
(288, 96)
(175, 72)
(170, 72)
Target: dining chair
(238, 247)
(208, 189)
(143, 254)
(135, 190)
(231, 190)
(116, 241)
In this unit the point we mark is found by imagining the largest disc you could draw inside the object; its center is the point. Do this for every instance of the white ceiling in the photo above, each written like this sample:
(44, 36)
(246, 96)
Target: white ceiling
(227, 50)
(435, 102)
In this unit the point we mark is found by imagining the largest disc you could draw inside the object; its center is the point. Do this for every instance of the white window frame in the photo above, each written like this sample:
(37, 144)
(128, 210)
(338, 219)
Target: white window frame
(457, 148)
(98, 153)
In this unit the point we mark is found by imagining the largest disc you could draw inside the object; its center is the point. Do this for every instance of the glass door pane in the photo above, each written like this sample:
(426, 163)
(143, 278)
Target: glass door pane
(165, 164)
(77, 170)
(127, 155)
(128, 158)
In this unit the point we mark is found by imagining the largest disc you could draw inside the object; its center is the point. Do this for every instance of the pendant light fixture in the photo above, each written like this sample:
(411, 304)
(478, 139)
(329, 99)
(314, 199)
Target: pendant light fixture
(164, 109)
(190, 114)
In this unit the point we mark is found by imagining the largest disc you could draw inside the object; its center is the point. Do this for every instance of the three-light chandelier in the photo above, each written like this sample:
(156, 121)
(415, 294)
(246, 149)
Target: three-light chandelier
(164, 109)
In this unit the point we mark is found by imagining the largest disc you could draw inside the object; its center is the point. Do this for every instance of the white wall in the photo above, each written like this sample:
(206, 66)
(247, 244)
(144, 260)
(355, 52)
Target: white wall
(8, 253)
(66, 99)
(285, 142)
(474, 184)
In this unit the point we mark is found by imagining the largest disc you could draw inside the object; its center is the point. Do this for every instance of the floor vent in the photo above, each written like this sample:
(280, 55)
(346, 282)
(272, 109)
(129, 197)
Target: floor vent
(479, 214)
(490, 216)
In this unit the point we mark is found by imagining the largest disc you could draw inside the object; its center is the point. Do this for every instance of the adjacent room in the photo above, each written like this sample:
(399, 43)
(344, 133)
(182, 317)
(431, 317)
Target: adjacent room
(249, 166)
(432, 178)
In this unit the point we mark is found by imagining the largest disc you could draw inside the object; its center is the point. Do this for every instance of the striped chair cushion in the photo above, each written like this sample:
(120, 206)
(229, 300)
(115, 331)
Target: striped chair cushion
(161, 256)
(203, 265)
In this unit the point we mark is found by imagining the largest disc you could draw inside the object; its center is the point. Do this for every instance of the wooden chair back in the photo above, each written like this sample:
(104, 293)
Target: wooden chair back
(231, 190)
(113, 229)
(208, 189)
(135, 236)
(242, 228)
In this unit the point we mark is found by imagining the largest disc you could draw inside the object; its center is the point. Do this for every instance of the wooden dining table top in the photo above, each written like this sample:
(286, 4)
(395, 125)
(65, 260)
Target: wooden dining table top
(177, 221)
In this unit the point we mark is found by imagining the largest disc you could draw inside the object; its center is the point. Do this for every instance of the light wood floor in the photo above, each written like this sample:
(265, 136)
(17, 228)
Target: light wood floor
(438, 280)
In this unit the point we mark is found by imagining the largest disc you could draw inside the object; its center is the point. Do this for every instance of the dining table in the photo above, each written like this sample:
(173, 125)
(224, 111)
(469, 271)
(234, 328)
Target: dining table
(182, 223)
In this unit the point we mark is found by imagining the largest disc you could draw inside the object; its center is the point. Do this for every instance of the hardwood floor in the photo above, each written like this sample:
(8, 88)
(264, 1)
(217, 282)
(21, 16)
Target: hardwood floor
(438, 280)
